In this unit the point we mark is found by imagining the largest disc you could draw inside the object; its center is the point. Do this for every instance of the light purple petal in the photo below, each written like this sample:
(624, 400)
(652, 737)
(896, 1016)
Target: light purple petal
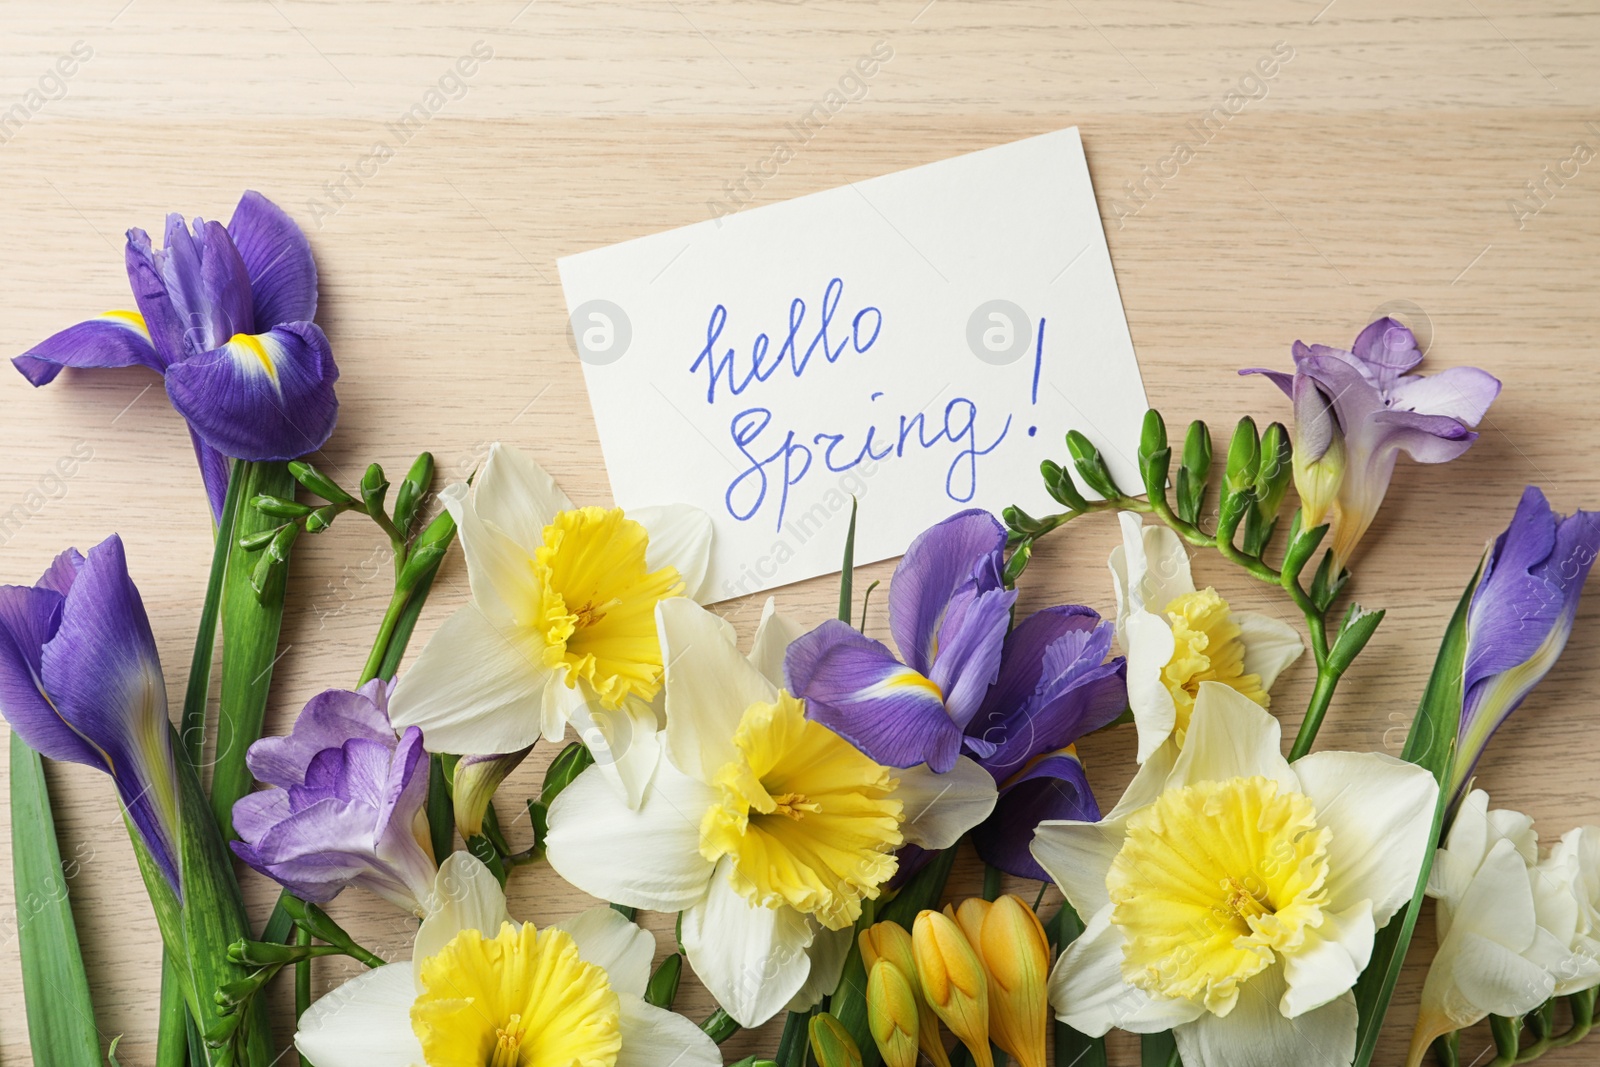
(854, 686)
(1425, 438)
(1276, 377)
(970, 640)
(115, 339)
(963, 548)
(28, 618)
(277, 258)
(1055, 787)
(104, 677)
(1460, 393)
(267, 397)
(1387, 349)
(328, 720)
(62, 572)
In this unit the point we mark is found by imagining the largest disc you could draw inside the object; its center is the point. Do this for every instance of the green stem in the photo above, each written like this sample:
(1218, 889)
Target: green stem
(991, 882)
(380, 645)
(197, 694)
(1321, 697)
(302, 983)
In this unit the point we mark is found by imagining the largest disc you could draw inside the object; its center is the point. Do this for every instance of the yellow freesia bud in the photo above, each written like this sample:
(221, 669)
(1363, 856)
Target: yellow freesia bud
(892, 1014)
(831, 1043)
(1016, 957)
(969, 916)
(890, 941)
(953, 981)
(474, 785)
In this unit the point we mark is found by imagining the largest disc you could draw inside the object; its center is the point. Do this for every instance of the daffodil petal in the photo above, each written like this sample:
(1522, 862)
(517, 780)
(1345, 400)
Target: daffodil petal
(1380, 810)
(1327, 965)
(774, 634)
(363, 1022)
(624, 741)
(518, 495)
(709, 686)
(1077, 856)
(1149, 644)
(499, 566)
(1151, 568)
(466, 896)
(680, 537)
(654, 1037)
(617, 945)
(1088, 993)
(752, 959)
(1255, 1033)
(1231, 736)
(1270, 645)
(476, 689)
(830, 949)
(939, 808)
(645, 857)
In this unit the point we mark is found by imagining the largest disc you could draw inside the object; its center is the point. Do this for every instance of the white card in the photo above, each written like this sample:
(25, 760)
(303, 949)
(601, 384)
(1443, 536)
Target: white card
(919, 341)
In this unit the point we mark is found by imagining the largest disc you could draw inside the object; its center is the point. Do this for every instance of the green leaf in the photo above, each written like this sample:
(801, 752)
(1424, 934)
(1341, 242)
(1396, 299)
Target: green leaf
(54, 986)
(1430, 744)
(1357, 629)
(662, 989)
(1073, 1049)
(847, 569)
(250, 627)
(1158, 1050)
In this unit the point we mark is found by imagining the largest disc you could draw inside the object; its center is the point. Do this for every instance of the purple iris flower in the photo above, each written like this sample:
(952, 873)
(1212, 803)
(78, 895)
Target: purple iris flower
(1519, 619)
(80, 681)
(948, 612)
(1055, 686)
(224, 315)
(1379, 410)
(345, 803)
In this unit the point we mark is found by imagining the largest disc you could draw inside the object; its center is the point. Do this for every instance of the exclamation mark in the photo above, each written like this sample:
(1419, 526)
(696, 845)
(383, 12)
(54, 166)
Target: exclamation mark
(1038, 362)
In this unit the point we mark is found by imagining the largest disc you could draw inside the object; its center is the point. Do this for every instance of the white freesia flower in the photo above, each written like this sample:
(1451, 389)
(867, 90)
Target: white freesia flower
(561, 626)
(1512, 931)
(484, 989)
(765, 829)
(1177, 637)
(1233, 898)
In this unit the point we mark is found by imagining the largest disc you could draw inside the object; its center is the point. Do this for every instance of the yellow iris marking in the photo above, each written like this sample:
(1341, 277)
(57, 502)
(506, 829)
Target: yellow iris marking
(1207, 648)
(596, 603)
(521, 999)
(805, 815)
(1212, 882)
(910, 679)
(249, 344)
(131, 319)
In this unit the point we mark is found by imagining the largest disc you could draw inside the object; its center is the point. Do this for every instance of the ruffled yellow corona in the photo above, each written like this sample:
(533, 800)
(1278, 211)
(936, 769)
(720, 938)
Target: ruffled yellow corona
(1207, 648)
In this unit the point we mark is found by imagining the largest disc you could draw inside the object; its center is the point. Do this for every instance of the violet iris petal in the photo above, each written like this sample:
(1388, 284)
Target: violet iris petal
(225, 313)
(948, 612)
(1381, 411)
(1520, 617)
(1055, 686)
(344, 803)
(80, 681)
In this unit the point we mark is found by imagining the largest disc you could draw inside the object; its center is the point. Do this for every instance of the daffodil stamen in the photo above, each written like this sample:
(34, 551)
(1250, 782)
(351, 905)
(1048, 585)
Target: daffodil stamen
(806, 816)
(595, 602)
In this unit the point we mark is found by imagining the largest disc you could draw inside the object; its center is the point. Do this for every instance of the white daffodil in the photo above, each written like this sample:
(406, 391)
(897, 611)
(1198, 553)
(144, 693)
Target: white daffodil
(1177, 637)
(482, 989)
(1509, 927)
(561, 627)
(764, 828)
(1233, 898)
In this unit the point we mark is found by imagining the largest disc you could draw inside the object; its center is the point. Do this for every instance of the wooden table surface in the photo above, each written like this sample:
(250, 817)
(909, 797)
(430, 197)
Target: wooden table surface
(1379, 168)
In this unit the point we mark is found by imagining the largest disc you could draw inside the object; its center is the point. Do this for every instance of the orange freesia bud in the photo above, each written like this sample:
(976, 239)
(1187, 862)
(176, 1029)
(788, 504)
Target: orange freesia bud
(890, 941)
(953, 981)
(1016, 959)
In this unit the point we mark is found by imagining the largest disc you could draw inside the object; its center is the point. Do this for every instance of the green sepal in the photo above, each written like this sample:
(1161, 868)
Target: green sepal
(662, 989)
(568, 764)
(55, 987)
(1324, 586)
(1430, 744)
(1354, 633)
(412, 489)
(1302, 546)
(1062, 489)
(1155, 468)
(1091, 465)
(374, 487)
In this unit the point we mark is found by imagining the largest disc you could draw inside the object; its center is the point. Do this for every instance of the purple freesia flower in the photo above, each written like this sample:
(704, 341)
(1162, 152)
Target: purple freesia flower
(948, 612)
(1344, 464)
(1519, 619)
(80, 681)
(1055, 686)
(224, 315)
(345, 803)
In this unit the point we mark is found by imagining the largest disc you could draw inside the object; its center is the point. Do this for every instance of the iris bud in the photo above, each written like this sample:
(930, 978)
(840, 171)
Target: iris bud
(831, 1043)
(477, 778)
(953, 981)
(1016, 958)
(890, 941)
(893, 1014)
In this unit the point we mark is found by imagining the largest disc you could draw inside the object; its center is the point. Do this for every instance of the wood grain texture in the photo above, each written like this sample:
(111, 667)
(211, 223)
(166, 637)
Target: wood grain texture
(1375, 166)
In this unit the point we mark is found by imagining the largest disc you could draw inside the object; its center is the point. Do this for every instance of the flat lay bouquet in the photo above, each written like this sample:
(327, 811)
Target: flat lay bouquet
(797, 802)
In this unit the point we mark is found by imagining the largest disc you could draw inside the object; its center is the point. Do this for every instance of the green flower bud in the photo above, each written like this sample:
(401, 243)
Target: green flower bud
(831, 1043)
(373, 488)
(319, 483)
(412, 490)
